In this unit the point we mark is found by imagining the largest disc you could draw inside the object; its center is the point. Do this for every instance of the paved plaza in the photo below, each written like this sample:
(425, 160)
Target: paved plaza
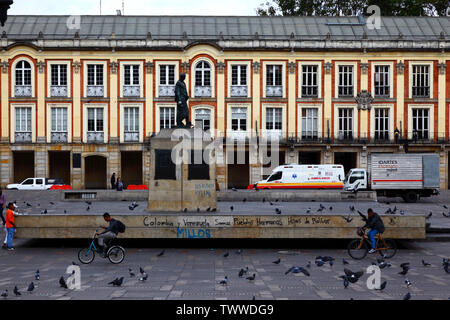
(195, 273)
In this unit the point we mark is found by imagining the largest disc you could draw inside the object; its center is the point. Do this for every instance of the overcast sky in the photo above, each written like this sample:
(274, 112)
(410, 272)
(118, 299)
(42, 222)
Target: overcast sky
(137, 7)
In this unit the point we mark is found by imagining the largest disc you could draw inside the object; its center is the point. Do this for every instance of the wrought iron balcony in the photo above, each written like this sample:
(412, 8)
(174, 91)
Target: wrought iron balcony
(58, 91)
(203, 91)
(166, 91)
(23, 91)
(22, 137)
(131, 136)
(132, 91)
(95, 91)
(58, 137)
(95, 137)
(274, 91)
(238, 91)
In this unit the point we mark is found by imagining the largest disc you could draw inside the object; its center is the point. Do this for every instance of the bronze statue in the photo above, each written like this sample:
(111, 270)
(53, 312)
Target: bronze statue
(181, 97)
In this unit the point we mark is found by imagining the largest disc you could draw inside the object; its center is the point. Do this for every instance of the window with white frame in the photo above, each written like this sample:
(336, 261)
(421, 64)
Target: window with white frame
(345, 122)
(238, 80)
(310, 87)
(203, 74)
(166, 117)
(309, 123)
(131, 119)
(95, 119)
(23, 119)
(23, 86)
(205, 116)
(59, 119)
(421, 123)
(345, 87)
(274, 118)
(274, 75)
(58, 75)
(381, 81)
(95, 74)
(131, 75)
(381, 123)
(167, 74)
(238, 119)
(421, 81)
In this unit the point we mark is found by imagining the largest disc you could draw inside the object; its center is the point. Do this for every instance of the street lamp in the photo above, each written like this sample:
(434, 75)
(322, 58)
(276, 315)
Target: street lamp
(4, 6)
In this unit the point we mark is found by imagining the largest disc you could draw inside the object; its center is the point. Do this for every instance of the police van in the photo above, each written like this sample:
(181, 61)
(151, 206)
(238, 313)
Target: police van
(295, 176)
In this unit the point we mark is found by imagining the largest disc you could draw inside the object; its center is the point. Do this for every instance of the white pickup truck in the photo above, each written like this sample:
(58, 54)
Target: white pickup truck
(34, 184)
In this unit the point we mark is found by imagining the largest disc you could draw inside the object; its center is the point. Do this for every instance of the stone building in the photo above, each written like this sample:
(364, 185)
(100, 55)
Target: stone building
(82, 96)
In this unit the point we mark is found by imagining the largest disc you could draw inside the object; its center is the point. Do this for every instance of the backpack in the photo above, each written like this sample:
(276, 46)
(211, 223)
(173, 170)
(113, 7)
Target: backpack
(120, 226)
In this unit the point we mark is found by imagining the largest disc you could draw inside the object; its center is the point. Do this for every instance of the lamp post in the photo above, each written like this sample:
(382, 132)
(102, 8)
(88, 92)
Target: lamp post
(4, 6)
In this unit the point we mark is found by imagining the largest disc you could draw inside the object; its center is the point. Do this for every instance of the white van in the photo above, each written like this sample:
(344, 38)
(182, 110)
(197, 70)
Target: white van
(295, 176)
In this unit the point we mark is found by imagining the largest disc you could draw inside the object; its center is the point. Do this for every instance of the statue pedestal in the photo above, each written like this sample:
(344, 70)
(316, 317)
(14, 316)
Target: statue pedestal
(182, 172)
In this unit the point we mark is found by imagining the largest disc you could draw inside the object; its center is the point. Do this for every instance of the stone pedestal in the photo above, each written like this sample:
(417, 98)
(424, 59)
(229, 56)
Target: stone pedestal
(182, 171)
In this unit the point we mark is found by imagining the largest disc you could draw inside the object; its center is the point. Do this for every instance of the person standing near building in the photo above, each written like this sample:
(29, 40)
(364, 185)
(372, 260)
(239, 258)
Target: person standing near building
(10, 225)
(113, 181)
(2, 208)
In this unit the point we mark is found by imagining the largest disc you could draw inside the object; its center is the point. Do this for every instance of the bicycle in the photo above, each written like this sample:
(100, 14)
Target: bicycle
(358, 248)
(115, 253)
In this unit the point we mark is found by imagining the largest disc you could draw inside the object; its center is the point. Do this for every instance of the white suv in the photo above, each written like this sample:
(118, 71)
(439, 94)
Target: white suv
(34, 184)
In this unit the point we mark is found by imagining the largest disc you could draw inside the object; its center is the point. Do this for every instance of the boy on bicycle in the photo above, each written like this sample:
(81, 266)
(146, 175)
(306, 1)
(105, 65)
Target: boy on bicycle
(376, 225)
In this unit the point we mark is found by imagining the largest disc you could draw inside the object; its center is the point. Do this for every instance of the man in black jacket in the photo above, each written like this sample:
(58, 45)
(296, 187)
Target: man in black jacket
(110, 232)
(376, 225)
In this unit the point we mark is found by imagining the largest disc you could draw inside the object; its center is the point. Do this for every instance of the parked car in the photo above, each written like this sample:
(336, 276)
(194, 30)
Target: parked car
(35, 184)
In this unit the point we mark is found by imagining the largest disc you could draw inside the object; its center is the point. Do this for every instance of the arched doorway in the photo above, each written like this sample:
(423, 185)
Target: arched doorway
(95, 172)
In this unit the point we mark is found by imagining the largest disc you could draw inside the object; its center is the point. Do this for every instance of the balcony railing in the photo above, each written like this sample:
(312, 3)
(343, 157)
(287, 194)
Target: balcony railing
(23, 91)
(274, 91)
(203, 91)
(58, 137)
(58, 91)
(95, 137)
(22, 137)
(131, 136)
(238, 91)
(95, 91)
(132, 91)
(166, 91)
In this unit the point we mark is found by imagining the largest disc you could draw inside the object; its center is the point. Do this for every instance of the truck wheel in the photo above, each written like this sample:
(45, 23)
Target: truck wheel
(411, 197)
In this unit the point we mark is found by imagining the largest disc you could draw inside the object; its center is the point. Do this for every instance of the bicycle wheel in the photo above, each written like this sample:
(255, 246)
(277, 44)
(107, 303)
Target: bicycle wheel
(86, 255)
(357, 250)
(116, 254)
(390, 250)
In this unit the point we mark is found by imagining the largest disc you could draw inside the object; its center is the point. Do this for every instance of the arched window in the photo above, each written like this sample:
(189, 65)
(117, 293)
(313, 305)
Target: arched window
(203, 74)
(205, 116)
(23, 73)
(23, 86)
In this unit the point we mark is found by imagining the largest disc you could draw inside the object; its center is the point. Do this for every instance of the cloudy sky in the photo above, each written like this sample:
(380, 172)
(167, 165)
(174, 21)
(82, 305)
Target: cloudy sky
(137, 7)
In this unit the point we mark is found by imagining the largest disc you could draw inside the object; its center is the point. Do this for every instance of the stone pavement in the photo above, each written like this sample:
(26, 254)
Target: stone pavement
(195, 273)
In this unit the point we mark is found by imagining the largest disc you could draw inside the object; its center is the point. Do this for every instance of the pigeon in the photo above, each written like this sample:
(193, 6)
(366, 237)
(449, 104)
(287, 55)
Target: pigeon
(36, 275)
(382, 286)
(226, 254)
(62, 283)
(241, 273)
(52, 203)
(209, 209)
(185, 210)
(402, 212)
(407, 296)
(224, 281)
(88, 202)
(388, 211)
(404, 271)
(408, 283)
(143, 277)
(30, 287)
(308, 210)
(347, 219)
(244, 200)
(131, 208)
(28, 205)
(352, 276)
(65, 211)
(234, 189)
(141, 270)
(213, 209)
(405, 264)
(298, 270)
(161, 253)
(383, 265)
(331, 208)
(445, 206)
(319, 263)
(117, 282)
(88, 208)
(363, 217)
(16, 291)
(271, 203)
(352, 208)
(231, 208)
(132, 275)
(277, 261)
(344, 261)
(324, 258)
(254, 298)
(263, 200)
(308, 265)
(346, 283)
(5, 294)
(331, 263)
(278, 211)
(446, 215)
(44, 211)
(425, 264)
(429, 215)
(251, 278)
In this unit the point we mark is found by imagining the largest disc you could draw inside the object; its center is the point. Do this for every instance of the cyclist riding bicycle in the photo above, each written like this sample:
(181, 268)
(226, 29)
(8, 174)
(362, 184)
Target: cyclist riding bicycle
(110, 232)
(376, 225)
